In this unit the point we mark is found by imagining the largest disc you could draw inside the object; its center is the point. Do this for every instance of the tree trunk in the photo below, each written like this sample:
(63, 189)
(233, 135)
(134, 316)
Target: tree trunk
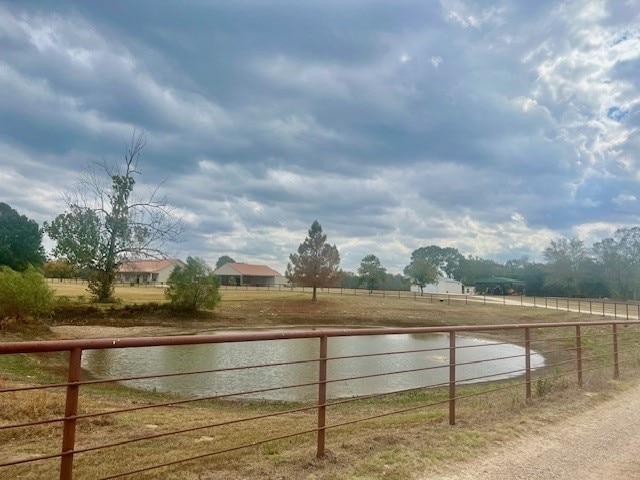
(314, 294)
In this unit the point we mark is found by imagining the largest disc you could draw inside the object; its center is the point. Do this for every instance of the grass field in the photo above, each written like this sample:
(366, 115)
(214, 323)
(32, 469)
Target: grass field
(396, 447)
(261, 308)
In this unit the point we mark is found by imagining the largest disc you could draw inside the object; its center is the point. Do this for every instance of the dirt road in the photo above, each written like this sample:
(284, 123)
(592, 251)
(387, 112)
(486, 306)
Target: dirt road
(601, 443)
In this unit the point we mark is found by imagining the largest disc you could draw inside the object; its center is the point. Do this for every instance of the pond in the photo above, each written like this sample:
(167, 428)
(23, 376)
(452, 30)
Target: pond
(478, 360)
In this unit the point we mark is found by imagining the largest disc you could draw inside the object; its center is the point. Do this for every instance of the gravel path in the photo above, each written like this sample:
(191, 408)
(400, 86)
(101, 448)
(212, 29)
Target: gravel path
(602, 443)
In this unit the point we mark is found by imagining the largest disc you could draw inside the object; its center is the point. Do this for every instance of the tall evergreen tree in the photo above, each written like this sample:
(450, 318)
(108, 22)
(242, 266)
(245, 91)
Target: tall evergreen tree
(371, 272)
(317, 264)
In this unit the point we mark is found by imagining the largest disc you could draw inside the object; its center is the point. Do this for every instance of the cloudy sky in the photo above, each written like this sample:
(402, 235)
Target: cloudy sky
(492, 127)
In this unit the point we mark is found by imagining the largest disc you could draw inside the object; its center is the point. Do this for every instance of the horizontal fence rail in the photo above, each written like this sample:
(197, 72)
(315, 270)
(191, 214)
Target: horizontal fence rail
(571, 352)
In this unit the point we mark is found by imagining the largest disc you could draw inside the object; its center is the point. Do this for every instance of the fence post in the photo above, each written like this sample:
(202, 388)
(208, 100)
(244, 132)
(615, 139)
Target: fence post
(590, 309)
(527, 361)
(603, 309)
(70, 412)
(452, 378)
(322, 395)
(579, 355)
(627, 305)
(615, 310)
(616, 369)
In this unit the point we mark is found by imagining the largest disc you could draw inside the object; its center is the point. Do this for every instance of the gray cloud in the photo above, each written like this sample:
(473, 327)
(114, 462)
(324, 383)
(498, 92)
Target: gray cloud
(492, 129)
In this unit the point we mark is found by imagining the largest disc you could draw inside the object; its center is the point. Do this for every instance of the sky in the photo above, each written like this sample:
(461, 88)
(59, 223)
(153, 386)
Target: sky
(491, 127)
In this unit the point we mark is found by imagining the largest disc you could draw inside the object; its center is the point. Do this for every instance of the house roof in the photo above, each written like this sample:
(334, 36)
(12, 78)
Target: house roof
(503, 280)
(148, 266)
(253, 270)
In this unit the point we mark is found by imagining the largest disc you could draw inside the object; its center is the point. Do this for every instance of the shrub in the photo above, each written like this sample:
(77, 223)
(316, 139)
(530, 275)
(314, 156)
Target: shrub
(23, 294)
(193, 287)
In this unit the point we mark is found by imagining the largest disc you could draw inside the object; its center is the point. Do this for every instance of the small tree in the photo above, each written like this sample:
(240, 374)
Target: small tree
(371, 272)
(223, 260)
(193, 286)
(23, 294)
(421, 272)
(106, 224)
(20, 240)
(317, 264)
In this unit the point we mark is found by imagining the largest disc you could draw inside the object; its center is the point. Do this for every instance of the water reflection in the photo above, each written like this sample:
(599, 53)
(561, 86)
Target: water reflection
(432, 361)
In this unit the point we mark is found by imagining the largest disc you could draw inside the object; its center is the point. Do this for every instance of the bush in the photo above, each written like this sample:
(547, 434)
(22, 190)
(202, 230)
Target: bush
(23, 294)
(193, 287)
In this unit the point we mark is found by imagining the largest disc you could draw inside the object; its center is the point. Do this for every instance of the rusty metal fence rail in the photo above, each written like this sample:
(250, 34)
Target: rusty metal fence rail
(572, 351)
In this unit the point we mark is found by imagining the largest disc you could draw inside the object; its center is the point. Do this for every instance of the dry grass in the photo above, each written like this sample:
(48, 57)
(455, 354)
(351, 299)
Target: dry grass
(125, 294)
(396, 446)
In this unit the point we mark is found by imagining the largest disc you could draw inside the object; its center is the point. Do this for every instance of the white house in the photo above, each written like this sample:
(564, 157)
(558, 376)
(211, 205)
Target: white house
(443, 285)
(247, 274)
(147, 271)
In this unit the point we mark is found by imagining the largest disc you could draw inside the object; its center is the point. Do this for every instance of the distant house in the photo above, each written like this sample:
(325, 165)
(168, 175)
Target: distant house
(442, 285)
(147, 271)
(247, 274)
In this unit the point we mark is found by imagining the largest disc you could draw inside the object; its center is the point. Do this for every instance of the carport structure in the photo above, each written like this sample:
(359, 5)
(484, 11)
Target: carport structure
(499, 286)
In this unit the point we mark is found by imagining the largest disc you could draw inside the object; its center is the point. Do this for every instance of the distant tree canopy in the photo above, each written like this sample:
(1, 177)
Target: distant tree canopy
(317, 264)
(611, 267)
(421, 272)
(60, 269)
(447, 261)
(106, 225)
(372, 273)
(619, 259)
(20, 240)
(223, 260)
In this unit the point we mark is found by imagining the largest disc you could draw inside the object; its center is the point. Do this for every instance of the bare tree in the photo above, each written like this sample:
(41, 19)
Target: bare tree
(106, 224)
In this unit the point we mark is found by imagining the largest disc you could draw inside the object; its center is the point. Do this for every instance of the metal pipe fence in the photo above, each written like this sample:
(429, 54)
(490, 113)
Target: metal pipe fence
(574, 352)
(617, 309)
